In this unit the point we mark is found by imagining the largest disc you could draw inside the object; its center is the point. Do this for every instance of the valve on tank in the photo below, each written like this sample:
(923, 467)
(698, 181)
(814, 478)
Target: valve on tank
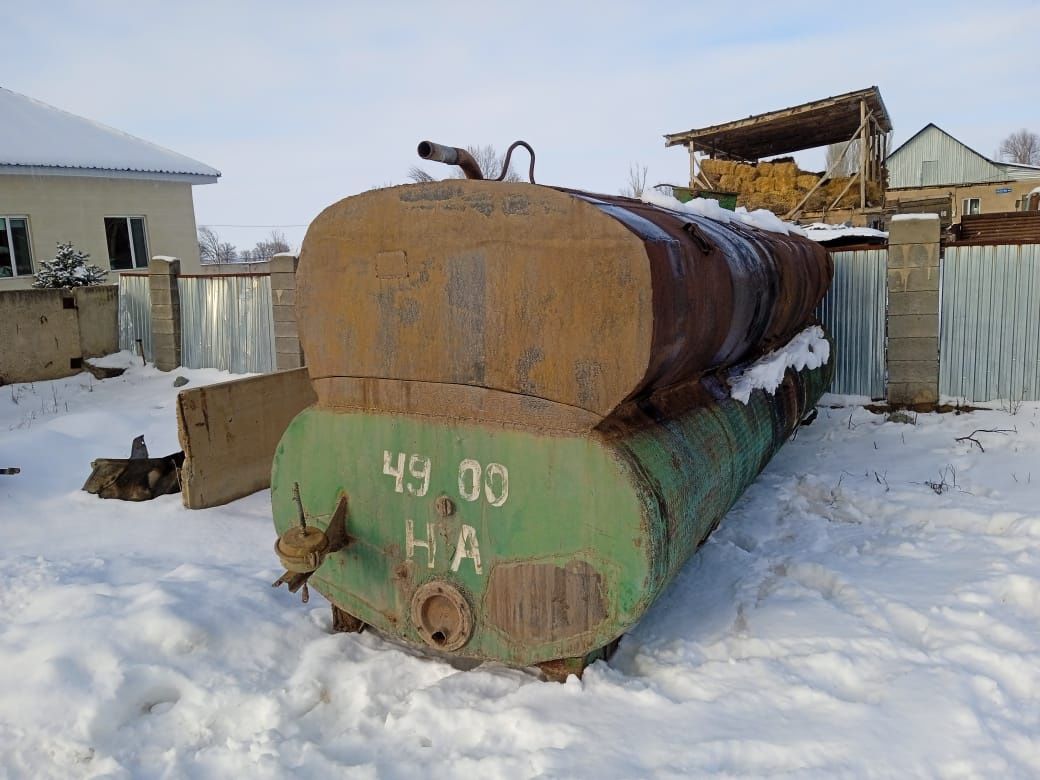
(302, 548)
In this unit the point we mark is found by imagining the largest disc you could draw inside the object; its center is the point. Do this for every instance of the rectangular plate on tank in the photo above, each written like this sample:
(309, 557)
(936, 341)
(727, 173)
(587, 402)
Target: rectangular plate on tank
(392, 265)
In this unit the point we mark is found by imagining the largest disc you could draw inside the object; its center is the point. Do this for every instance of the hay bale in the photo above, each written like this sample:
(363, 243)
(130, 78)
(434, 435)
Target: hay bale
(779, 185)
(744, 173)
(717, 167)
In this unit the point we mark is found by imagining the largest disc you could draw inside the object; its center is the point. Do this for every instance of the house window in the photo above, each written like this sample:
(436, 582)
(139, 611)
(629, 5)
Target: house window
(15, 254)
(971, 206)
(127, 247)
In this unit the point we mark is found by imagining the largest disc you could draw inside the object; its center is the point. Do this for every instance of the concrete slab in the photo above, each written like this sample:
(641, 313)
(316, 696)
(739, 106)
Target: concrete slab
(229, 433)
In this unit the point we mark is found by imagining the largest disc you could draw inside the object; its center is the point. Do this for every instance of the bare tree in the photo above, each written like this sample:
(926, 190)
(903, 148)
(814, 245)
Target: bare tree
(846, 154)
(489, 160)
(1022, 146)
(636, 181)
(266, 249)
(212, 249)
(418, 175)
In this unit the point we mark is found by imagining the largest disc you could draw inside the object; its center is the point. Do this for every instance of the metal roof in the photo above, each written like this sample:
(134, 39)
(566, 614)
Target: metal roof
(41, 139)
(806, 126)
(932, 157)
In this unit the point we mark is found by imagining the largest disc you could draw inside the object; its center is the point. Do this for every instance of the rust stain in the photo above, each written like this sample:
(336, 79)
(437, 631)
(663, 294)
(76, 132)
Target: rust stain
(545, 602)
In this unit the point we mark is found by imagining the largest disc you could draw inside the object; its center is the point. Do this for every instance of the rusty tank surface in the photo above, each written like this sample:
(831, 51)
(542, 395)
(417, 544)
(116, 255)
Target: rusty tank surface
(523, 427)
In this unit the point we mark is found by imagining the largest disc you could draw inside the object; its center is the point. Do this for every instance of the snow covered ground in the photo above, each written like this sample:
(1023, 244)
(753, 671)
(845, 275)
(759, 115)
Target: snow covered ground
(847, 619)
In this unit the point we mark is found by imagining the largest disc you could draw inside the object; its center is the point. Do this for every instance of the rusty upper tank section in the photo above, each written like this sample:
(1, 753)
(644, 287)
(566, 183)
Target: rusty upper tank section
(537, 305)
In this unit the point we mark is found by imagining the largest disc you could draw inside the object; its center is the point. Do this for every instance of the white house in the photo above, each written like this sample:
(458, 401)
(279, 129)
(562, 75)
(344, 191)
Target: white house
(66, 178)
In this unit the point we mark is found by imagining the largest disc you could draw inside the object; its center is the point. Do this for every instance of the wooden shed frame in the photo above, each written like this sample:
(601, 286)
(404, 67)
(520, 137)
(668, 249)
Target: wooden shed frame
(839, 119)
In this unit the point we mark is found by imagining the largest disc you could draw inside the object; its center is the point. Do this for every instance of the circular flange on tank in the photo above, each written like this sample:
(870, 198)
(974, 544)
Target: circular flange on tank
(442, 616)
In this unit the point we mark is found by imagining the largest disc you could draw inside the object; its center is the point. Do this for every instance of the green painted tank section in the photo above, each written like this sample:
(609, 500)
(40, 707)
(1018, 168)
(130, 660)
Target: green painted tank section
(563, 541)
(728, 200)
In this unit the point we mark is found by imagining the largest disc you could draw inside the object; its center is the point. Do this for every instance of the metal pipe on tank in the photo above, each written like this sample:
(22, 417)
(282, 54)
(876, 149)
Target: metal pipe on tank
(451, 155)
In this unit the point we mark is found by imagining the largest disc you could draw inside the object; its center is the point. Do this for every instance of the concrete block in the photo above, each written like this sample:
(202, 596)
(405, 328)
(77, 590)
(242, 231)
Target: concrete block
(166, 340)
(158, 289)
(284, 263)
(157, 282)
(923, 349)
(229, 433)
(287, 330)
(167, 360)
(286, 344)
(920, 302)
(284, 313)
(283, 297)
(166, 352)
(166, 311)
(164, 295)
(168, 266)
(283, 281)
(901, 371)
(913, 393)
(168, 326)
(171, 351)
(913, 326)
(286, 360)
(913, 255)
(914, 231)
(913, 279)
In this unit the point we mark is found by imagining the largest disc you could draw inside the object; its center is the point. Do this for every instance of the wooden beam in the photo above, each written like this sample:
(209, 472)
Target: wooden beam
(863, 141)
(827, 174)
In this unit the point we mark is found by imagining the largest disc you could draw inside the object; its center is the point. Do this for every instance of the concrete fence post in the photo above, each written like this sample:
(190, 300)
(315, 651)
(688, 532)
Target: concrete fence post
(913, 310)
(166, 311)
(288, 353)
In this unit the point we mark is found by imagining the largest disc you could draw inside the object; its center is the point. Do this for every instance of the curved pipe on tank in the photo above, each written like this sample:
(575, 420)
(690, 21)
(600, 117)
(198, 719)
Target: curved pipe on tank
(450, 155)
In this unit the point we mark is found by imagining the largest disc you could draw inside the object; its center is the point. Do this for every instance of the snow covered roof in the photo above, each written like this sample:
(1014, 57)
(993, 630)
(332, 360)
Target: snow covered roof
(47, 140)
(824, 233)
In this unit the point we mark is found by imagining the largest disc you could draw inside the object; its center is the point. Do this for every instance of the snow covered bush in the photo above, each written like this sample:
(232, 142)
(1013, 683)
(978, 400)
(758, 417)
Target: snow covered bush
(69, 269)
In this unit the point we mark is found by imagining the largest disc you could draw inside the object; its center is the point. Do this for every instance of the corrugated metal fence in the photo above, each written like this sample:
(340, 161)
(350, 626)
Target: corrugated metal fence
(227, 323)
(854, 315)
(135, 313)
(989, 326)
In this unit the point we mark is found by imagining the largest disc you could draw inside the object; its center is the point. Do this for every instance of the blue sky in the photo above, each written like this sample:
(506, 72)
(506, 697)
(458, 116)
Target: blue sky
(302, 104)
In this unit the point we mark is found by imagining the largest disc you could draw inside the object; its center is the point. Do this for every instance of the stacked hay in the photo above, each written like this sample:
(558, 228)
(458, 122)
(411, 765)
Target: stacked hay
(779, 185)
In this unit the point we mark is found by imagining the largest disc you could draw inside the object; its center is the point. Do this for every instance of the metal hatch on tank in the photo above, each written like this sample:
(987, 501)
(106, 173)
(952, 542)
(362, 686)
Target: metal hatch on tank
(523, 428)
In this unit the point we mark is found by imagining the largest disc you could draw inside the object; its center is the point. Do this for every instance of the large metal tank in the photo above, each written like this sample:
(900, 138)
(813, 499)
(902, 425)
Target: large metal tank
(523, 428)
